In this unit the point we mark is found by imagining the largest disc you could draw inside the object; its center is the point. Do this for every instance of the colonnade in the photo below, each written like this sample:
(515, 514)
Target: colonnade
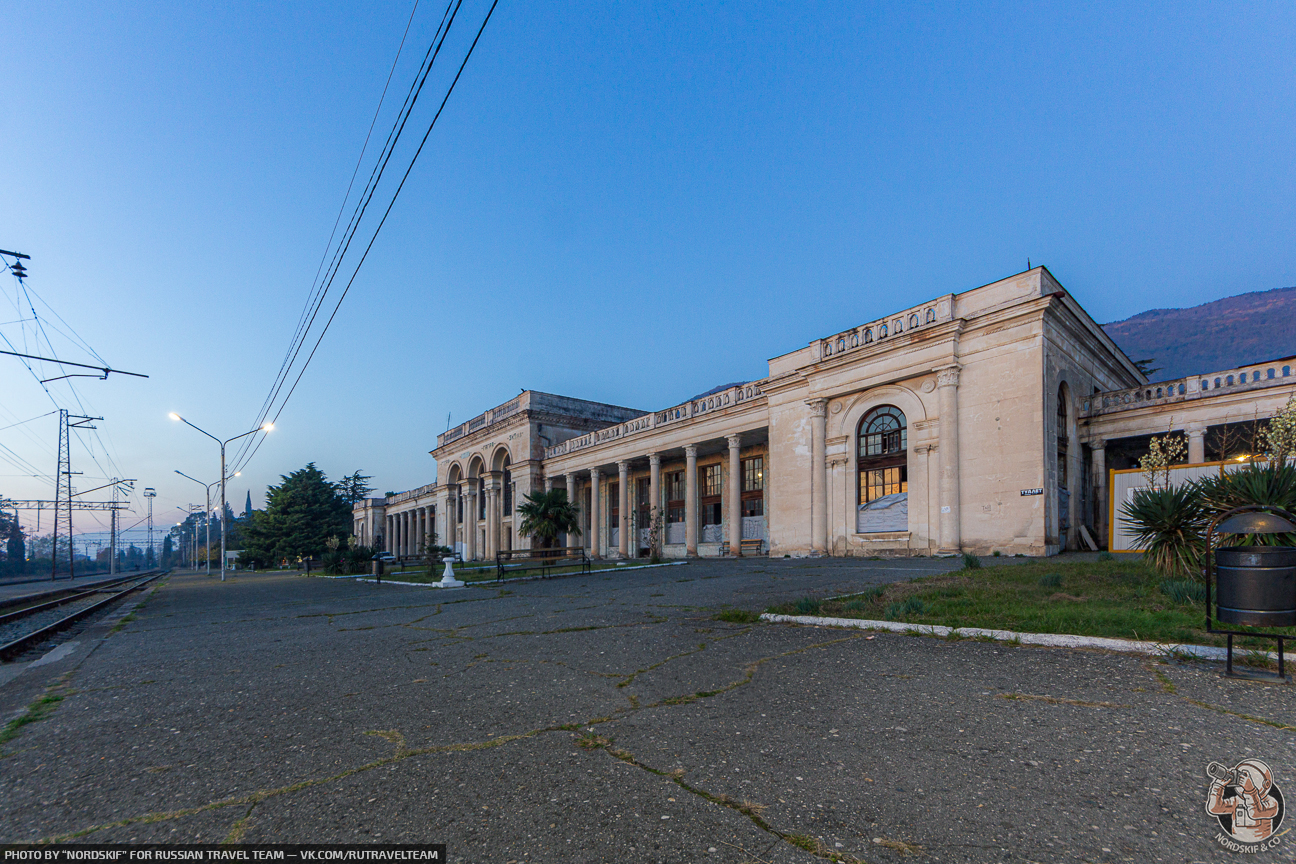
(493, 528)
(626, 501)
(407, 531)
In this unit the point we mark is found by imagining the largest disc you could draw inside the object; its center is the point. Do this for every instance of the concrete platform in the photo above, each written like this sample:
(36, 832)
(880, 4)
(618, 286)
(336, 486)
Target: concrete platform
(608, 718)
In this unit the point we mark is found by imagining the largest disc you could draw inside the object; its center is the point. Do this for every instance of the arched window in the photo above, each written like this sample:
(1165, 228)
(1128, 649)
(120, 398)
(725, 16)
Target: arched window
(931, 315)
(868, 335)
(1205, 385)
(882, 449)
(913, 321)
(1229, 380)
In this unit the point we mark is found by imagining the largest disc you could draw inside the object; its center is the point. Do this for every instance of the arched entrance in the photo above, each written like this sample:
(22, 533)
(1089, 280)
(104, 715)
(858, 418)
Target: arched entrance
(882, 443)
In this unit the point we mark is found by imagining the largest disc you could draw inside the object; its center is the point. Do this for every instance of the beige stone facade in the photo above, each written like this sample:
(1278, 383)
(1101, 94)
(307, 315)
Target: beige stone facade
(973, 422)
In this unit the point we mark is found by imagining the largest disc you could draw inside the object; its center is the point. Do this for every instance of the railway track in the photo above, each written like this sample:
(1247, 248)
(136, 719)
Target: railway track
(24, 628)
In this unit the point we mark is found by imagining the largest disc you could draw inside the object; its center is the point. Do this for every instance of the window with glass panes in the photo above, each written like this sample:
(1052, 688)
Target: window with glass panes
(675, 496)
(710, 497)
(882, 454)
(753, 488)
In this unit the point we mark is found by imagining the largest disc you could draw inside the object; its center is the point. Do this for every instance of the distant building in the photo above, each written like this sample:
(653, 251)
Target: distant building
(978, 421)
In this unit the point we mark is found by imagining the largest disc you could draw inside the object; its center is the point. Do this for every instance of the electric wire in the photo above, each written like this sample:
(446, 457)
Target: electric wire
(386, 213)
(346, 197)
(375, 175)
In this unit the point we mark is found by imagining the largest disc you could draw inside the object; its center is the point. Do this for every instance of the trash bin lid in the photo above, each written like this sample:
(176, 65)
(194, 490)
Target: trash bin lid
(1255, 522)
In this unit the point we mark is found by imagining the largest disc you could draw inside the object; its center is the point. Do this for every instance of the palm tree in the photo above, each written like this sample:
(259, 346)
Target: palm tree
(547, 514)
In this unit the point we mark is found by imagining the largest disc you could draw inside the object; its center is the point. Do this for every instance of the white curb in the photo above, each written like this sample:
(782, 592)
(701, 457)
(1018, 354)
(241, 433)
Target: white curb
(1055, 640)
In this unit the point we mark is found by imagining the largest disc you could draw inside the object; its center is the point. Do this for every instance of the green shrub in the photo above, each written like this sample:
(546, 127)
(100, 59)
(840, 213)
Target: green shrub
(1265, 483)
(1170, 526)
(1184, 591)
(808, 606)
(1051, 580)
(971, 562)
(904, 608)
(1105, 556)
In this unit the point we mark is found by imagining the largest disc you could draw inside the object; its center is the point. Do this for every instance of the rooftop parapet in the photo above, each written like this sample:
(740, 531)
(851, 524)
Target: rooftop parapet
(927, 314)
(742, 394)
(1276, 373)
(534, 400)
(411, 494)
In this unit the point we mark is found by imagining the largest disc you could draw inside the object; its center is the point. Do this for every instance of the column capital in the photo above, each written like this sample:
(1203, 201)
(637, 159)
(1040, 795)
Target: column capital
(735, 441)
(1195, 428)
(596, 474)
(623, 465)
(818, 407)
(948, 376)
(1098, 444)
(571, 476)
(654, 459)
(690, 451)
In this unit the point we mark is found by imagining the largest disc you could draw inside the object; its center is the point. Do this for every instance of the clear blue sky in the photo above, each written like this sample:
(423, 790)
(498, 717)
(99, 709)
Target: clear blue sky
(627, 202)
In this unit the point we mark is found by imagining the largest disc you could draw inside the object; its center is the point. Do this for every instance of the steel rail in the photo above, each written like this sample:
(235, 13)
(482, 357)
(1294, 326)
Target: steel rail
(42, 604)
(22, 643)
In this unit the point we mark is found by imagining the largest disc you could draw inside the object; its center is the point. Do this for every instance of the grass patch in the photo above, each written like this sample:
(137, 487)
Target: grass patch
(36, 711)
(1117, 598)
(737, 616)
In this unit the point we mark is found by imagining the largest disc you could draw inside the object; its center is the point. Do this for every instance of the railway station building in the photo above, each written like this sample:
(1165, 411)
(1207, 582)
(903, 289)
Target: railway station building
(979, 421)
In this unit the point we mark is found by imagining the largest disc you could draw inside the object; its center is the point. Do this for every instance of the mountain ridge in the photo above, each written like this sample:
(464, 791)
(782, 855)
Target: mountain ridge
(1220, 334)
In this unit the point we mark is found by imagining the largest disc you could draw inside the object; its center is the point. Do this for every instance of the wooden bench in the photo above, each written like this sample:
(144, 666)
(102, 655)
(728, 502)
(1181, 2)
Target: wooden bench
(544, 560)
(754, 546)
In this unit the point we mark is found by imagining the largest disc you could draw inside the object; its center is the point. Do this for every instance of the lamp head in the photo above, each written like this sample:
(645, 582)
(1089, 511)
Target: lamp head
(174, 416)
(238, 473)
(269, 427)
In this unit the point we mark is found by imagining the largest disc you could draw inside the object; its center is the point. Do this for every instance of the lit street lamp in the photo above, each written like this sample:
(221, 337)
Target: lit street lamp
(265, 428)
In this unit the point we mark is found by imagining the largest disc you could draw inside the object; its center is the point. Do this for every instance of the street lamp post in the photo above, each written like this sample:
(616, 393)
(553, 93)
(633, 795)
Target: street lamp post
(264, 428)
(207, 487)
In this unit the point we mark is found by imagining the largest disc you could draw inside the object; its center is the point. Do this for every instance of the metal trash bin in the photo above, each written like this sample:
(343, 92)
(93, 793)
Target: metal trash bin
(1253, 585)
(1256, 585)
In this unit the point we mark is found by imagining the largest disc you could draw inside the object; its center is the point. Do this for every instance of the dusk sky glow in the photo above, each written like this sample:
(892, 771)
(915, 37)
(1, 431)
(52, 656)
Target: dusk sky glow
(630, 202)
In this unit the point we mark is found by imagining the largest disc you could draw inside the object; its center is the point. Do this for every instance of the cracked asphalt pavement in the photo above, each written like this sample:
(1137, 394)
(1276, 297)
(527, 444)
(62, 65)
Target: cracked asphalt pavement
(610, 718)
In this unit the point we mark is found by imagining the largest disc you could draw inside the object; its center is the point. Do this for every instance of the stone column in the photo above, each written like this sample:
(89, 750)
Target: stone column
(735, 496)
(470, 519)
(449, 508)
(690, 501)
(572, 539)
(407, 523)
(1196, 442)
(548, 487)
(623, 508)
(492, 518)
(951, 539)
(654, 496)
(818, 475)
(387, 530)
(596, 516)
(1099, 450)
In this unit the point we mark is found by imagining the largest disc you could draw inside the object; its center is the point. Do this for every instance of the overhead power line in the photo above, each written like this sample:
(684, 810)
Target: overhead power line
(439, 40)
